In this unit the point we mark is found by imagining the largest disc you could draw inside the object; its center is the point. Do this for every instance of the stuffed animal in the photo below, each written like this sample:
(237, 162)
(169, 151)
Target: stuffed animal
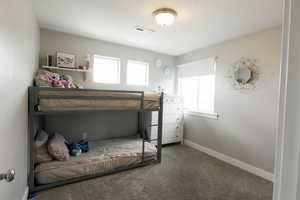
(61, 84)
(46, 78)
(76, 149)
(42, 79)
(72, 84)
(53, 76)
(58, 84)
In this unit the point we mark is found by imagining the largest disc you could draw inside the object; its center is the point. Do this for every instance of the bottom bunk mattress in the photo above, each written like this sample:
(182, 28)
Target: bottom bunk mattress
(104, 155)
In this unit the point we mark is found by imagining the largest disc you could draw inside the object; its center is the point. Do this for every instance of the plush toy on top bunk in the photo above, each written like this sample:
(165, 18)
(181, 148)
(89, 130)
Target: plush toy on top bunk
(46, 78)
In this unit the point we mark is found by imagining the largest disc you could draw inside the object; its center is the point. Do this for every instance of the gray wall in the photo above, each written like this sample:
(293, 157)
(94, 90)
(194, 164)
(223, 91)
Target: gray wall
(52, 41)
(19, 46)
(109, 124)
(246, 128)
(98, 126)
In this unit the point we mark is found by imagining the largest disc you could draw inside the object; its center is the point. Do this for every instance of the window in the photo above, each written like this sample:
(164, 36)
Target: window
(196, 84)
(137, 73)
(198, 93)
(106, 70)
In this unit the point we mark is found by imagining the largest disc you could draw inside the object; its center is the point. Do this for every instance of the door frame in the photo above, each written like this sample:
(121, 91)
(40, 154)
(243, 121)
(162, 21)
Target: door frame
(287, 183)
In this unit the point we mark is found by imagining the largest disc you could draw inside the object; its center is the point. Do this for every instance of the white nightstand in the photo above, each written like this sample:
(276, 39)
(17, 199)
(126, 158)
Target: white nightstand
(172, 120)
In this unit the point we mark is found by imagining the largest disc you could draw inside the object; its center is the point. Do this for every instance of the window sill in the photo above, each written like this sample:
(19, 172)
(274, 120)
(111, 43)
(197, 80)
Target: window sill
(202, 114)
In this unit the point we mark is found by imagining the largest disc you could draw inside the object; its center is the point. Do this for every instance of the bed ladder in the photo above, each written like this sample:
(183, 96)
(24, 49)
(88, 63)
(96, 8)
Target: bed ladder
(143, 129)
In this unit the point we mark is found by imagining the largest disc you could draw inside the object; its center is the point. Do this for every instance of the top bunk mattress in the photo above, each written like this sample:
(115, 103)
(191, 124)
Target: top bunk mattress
(104, 155)
(72, 100)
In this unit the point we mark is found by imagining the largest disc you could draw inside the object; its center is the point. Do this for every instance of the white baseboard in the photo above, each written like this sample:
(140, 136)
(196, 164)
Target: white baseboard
(232, 161)
(25, 196)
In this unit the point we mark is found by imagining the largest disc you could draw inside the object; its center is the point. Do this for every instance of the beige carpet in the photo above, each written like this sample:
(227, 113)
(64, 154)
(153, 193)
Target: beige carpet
(184, 174)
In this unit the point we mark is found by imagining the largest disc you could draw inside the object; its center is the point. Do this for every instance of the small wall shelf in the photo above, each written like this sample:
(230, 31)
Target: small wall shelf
(69, 69)
(66, 69)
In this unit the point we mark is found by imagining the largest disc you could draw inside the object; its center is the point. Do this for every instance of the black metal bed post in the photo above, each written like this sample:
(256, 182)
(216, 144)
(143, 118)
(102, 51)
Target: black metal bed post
(31, 120)
(160, 128)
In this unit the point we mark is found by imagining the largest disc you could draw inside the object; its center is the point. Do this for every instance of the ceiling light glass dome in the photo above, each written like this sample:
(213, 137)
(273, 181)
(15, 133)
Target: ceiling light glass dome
(164, 16)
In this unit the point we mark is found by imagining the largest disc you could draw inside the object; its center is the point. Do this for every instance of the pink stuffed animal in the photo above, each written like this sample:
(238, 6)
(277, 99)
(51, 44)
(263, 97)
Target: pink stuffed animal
(58, 84)
(53, 76)
(61, 84)
(65, 83)
(45, 78)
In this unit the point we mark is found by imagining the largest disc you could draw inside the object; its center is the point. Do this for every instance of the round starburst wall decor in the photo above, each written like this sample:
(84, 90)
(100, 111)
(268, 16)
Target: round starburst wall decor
(244, 73)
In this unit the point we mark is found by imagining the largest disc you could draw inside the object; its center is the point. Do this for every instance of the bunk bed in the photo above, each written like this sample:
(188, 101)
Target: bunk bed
(106, 156)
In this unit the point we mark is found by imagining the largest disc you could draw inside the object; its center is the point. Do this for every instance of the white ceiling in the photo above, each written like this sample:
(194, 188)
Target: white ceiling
(199, 23)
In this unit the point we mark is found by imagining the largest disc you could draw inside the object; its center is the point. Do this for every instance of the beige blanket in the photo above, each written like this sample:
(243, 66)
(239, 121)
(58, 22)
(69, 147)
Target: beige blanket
(151, 101)
(104, 155)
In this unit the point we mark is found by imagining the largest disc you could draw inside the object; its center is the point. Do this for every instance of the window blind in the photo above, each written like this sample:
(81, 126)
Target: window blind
(197, 68)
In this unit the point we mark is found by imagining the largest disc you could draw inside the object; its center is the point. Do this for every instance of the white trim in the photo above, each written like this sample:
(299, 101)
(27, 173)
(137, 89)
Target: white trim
(281, 112)
(202, 114)
(215, 58)
(287, 176)
(25, 196)
(107, 57)
(232, 161)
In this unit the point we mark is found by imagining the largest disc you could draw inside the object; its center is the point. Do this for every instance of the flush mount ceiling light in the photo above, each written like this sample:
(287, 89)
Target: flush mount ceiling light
(164, 16)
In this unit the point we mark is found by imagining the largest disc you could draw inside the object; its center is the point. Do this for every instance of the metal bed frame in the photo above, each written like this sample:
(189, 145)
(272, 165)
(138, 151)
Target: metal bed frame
(36, 120)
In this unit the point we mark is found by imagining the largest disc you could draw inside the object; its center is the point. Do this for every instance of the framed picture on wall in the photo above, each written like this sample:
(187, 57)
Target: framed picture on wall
(65, 60)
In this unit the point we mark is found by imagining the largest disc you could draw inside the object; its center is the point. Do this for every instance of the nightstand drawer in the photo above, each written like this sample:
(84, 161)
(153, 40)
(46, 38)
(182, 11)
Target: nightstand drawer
(171, 138)
(174, 119)
(168, 118)
(172, 109)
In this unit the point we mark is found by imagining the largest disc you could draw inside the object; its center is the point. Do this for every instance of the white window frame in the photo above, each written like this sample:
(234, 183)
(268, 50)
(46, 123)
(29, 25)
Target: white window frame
(108, 58)
(147, 73)
(199, 113)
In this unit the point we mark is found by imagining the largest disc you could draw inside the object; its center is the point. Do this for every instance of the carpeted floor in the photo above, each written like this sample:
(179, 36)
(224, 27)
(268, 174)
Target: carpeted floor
(184, 174)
